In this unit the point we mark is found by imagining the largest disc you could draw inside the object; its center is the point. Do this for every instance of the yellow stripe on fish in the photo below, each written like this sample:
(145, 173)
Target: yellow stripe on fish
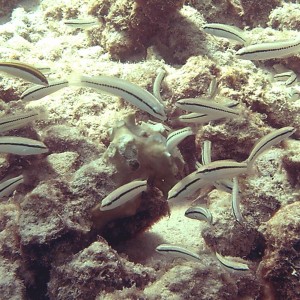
(24, 71)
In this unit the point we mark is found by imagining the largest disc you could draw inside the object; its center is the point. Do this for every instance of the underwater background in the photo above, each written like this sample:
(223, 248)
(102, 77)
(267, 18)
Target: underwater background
(149, 106)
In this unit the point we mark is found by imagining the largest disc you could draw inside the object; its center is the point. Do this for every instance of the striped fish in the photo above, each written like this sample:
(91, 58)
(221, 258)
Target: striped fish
(204, 106)
(186, 187)
(226, 31)
(123, 194)
(235, 201)
(268, 141)
(18, 120)
(38, 92)
(277, 49)
(81, 23)
(177, 136)
(199, 213)
(24, 71)
(201, 118)
(130, 92)
(230, 264)
(8, 186)
(21, 146)
(177, 252)
(221, 169)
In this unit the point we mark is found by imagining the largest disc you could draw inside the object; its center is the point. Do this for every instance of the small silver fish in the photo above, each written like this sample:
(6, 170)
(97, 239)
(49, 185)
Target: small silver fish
(81, 23)
(24, 71)
(199, 213)
(123, 194)
(230, 264)
(21, 146)
(8, 186)
(178, 252)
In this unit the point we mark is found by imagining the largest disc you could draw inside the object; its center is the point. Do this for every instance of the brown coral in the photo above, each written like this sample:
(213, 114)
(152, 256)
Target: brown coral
(11, 282)
(130, 25)
(291, 163)
(6, 6)
(94, 270)
(257, 12)
(280, 265)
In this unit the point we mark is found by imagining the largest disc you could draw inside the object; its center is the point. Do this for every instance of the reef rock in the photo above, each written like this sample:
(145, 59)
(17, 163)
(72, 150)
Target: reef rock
(280, 265)
(94, 270)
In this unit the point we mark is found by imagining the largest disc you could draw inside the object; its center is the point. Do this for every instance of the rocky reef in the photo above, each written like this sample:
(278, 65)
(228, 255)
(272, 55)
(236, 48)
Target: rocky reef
(58, 243)
(7, 6)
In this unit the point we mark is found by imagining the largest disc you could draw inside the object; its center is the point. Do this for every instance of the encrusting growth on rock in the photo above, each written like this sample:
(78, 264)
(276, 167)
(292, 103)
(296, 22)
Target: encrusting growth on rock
(94, 270)
(148, 99)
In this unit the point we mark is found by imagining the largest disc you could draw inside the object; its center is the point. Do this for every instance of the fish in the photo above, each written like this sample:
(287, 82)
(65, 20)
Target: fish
(130, 92)
(235, 201)
(226, 31)
(157, 84)
(205, 106)
(230, 264)
(24, 71)
(294, 93)
(283, 76)
(177, 252)
(213, 88)
(223, 185)
(206, 175)
(37, 92)
(177, 136)
(289, 77)
(293, 78)
(206, 152)
(186, 187)
(199, 213)
(201, 118)
(21, 146)
(81, 23)
(18, 120)
(268, 141)
(9, 185)
(269, 50)
(221, 169)
(123, 194)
